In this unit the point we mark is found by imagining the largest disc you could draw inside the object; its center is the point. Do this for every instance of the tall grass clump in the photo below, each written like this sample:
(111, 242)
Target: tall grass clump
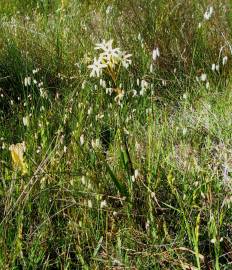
(115, 134)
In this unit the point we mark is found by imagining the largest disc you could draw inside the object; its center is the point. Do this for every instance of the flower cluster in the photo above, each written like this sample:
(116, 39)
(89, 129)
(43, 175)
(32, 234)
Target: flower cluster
(17, 152)
(32, 81)
(155, 54)
(208, 13)
(109, 59)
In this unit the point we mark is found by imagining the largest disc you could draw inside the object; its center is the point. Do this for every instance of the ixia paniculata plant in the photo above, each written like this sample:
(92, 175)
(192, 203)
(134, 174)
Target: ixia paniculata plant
(110, 61)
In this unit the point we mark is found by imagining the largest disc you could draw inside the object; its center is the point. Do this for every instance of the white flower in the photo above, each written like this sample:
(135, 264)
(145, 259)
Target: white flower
(103, 204)
(26, 121)
(109, 9)
(136, 174)
(144, 84)
(97, 67)
(213, 241)
(103, 83)
(112, 56)
(90, 205)
(90, 110)
(104, 45)
(224, 60)
(27, 81)
(40, 84)
(109, 90)
(34, 71)
(213, 67)
(43, 93)
(147, 225)
(203, 77)
(95, 143)
(184, 131)
(109, 55)
(82, 139)
(155, 54)
(83, 180)
(185, 96)
(99, 116)
(83, 84)
(164, 82)
(134, 93)
(125, 59)
(208, 13)
(3, 145)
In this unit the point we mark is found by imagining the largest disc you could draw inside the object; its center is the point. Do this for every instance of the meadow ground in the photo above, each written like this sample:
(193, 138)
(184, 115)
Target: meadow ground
(115, 134)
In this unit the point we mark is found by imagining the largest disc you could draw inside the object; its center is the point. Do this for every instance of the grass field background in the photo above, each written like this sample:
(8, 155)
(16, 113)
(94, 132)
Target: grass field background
(128, 170)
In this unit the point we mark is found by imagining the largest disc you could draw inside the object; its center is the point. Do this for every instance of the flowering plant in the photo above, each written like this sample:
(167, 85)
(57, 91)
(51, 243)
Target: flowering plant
(110, 61)
(17, 152)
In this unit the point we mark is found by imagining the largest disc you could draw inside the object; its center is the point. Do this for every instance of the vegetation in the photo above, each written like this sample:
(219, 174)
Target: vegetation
(115, 134)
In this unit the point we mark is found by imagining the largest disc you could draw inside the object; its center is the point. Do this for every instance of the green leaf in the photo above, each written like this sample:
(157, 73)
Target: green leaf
(120, 186)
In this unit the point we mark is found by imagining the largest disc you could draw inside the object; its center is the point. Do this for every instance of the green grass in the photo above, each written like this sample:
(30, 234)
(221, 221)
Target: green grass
(141, 185)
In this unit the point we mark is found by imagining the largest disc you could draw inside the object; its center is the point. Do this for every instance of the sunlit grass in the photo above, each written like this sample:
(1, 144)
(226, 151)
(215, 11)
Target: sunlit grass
(127, 163)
